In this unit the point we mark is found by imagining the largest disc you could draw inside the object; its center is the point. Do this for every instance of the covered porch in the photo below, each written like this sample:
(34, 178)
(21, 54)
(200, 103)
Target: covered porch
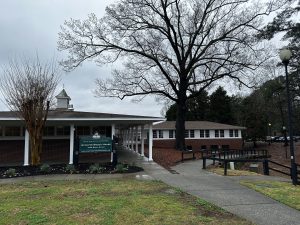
(62, 130)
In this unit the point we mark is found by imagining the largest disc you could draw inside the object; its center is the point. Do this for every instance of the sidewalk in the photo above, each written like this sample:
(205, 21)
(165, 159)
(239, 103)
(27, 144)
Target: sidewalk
(225, 192)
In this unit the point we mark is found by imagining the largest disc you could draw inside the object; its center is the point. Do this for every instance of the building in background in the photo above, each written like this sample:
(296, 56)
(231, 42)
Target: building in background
(199, 135)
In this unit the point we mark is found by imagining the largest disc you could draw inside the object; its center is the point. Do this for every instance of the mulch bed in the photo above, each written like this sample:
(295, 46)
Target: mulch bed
(82, 168)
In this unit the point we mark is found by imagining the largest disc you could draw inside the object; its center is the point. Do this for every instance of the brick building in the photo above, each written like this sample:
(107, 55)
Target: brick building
(199, 135)
(63, 125)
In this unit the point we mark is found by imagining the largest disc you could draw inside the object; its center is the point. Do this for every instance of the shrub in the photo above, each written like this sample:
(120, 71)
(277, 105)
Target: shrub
(10, 172)
(70, 169)
(121, 168)
(96, 168)
(45, 168)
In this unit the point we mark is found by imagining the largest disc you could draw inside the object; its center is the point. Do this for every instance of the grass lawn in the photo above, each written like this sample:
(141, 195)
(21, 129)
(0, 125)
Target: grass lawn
(283, 192)
(124, 201)
(220, 171)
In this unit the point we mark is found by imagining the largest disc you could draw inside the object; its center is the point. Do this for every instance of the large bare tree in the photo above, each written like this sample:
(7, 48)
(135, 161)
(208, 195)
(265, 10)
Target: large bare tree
(28, 87)
(173, 49)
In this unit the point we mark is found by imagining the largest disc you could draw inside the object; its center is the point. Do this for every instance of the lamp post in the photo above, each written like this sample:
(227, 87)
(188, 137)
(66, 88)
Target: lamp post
(285, 55)
(285, 141)
(284, 135)
(269, 133)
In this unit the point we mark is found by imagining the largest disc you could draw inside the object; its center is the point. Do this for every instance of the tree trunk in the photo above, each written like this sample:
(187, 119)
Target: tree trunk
(35, 147)
(180, 123)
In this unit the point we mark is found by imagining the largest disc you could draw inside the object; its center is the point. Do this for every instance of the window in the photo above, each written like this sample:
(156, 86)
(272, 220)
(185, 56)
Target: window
(12, 131)
(192, 133)
(154, 134)
(207, 133)
(236, 133)
(171, 134)
(221, 133)
(102, 131)
(202, 133)
(186, 133)
(160, 134)
(83, 130)
(63, 131)
(203, 147)
(225, 147)
(230, 133)
(49, 131)
(214, 147)
(1, 131)
(217, 134)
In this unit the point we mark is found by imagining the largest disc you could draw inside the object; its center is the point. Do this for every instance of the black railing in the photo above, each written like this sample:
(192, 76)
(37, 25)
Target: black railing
(236, 155)
(216, 154)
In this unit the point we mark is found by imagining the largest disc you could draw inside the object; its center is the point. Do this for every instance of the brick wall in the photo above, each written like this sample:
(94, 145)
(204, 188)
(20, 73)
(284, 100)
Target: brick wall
(54, 151)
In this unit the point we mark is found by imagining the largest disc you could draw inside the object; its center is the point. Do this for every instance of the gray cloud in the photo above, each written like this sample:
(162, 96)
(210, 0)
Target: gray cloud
(31, 26)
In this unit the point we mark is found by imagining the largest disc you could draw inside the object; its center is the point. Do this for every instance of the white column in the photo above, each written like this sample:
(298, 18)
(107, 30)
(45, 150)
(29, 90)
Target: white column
(127, 138)
(136, 139)
(132, 138)
(142, 141)
(113, 132)
(26, 149)
(71, 143)
(150, 142)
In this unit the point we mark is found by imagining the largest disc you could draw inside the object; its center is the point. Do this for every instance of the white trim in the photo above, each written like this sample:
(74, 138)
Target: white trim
(26, 149)
(113, 132)
(136, 139)
(71, 143)
(150, 142)
(217, 138)
(91, 119)
(142, 141)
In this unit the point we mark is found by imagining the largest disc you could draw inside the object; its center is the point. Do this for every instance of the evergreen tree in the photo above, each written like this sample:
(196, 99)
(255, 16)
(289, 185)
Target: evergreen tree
(220, 107)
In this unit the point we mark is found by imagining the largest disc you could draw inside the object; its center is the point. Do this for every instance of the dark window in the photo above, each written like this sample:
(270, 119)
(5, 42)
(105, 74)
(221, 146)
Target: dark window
(221, 133)
(49, 131)
(230, 133)
(189, 147)
(102, 131)
(203, 147)
(225, 147)
(214, 147)
(154, 134)
(83, 130)
(186, 133)
(1, 131)
(160, 134)
(207, 133)
(217, 134)
(12, 131)
(236, 133)
(192, 133)
(171, 134)
(63, 131)
(202, 133)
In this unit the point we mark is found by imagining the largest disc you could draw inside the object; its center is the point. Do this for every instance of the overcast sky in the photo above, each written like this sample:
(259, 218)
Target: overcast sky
(28, 27)
(32, 26)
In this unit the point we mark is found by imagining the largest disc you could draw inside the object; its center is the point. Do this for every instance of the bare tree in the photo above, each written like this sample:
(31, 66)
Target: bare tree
(28, 87)
(173, 49)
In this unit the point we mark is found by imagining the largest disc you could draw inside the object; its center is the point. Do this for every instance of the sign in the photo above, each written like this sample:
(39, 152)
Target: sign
(89, 144)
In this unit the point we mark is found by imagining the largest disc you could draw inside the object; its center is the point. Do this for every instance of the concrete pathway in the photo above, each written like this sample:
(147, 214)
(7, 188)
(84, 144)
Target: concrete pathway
(225, 192)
